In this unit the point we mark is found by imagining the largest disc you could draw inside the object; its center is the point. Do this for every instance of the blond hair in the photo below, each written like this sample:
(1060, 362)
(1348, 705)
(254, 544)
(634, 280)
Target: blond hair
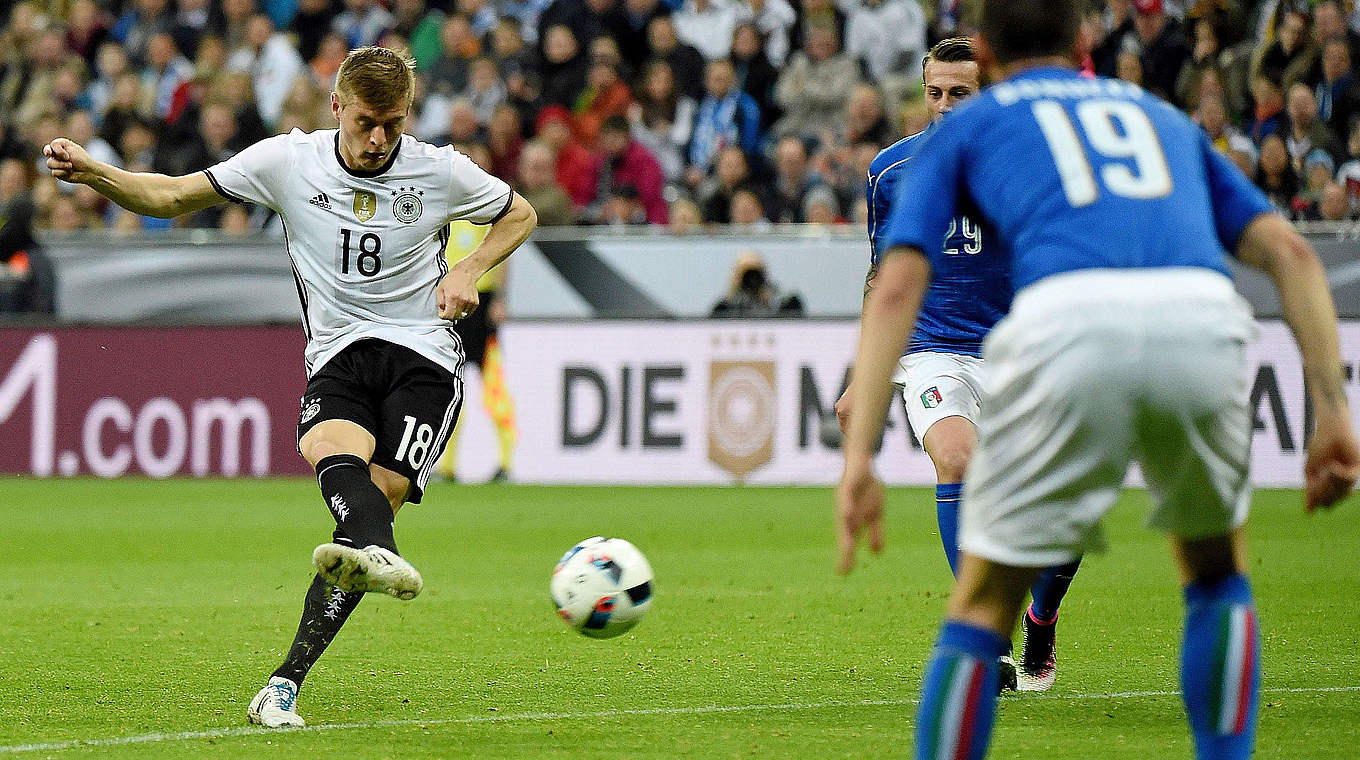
(378, 77)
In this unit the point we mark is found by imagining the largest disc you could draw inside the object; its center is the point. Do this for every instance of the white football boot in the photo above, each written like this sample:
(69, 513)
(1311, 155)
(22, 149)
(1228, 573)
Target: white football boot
(372, 568)
(274, 706)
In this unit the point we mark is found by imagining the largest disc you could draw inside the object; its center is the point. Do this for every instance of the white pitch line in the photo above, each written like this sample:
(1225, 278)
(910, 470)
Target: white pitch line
(14, 749)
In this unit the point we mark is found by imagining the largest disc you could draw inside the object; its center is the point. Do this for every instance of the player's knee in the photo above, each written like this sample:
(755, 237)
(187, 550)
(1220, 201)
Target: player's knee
(1207, 560)
(951, 461)
(319, 449)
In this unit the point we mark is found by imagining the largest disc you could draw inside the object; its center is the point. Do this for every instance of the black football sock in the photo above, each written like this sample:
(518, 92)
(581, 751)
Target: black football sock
(323, 612)
(359, 506)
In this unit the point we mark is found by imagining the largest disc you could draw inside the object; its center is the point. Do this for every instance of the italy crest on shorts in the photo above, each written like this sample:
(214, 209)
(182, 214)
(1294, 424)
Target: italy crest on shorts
(931, 398)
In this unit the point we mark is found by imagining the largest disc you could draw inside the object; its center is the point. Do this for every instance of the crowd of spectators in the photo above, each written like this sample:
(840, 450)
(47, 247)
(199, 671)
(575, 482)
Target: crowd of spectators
(620, 112)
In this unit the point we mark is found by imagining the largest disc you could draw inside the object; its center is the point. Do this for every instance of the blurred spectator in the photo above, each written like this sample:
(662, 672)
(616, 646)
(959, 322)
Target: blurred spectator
(1205, 60)
(46, 54)
(707, 26)
(586, 19)
(1305, 133)
(564, 68)
(715, 194)
(1318, 169)
(574, 163)
(747, 213)
(622, 207)
(14, 182)
(362, 22)
(637, 15)
(79, 126)
(504, 140)
(756, 76)
(1212, 117)
(1275, 174)
(273, 65)
(821, 207)
(166, 71)
(1337, 92)
(463, 126)
(87, 26)
(773, 19)
(526, 15)
(325, 64)
(684, 60)
(190, 24)
(815, 13)
(604, 97)
(662, 119)
(525, 94)
(538, 184)
(792, 181)
(1334, 206)
(27, 283)
(142, 20)
(1328, 24)
(864, 120)
(1129, 67)
(624, 162)
(485, 90)
(1164, 49)
(1349, 173)
(1243, 154)
(816, 85)
(111, 62)
(312, 23)
(65, 214)
(1291, 34)
(1269, 117)
(685, 217)
(726, 116)
(512, 56)
(480, 14)
(448, 75)
(421, 27)
(753, 296)
(887, 37)
(231, 20)
(235, 220)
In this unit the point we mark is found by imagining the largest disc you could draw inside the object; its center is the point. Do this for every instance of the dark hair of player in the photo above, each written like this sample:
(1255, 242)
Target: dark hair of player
(951, 50)
(1019, 29)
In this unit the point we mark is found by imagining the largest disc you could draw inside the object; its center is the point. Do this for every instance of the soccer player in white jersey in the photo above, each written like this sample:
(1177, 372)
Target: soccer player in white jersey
(365, 211)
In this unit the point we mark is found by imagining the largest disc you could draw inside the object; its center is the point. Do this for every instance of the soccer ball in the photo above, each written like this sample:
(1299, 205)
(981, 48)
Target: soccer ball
(602, 587)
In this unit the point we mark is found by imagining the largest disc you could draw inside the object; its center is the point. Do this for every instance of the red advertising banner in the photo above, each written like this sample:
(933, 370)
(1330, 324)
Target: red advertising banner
(151, 401)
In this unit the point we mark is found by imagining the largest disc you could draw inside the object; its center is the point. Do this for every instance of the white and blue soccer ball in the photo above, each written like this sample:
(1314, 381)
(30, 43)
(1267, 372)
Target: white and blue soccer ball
(602, 587)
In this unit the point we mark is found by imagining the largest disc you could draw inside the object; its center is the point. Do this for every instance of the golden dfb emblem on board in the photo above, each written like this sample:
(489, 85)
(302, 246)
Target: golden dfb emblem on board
(741, 410)
(365, 205)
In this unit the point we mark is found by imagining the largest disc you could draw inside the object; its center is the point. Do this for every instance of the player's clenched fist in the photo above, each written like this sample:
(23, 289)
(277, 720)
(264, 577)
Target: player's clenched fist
(456, 295)
(67, 160)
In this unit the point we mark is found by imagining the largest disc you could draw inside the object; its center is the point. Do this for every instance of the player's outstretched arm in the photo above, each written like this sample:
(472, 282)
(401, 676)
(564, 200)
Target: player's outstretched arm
(889, 314)
(457, 292)
(139, 192)
(1274, 246)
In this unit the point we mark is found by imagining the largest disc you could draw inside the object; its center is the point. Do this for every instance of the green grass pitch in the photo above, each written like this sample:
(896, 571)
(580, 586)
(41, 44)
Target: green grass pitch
(143, 616)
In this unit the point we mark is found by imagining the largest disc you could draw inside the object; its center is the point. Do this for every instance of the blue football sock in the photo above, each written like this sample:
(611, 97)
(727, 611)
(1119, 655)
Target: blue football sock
(1048, 591)
(958, 698)
(947, 515)
(1221, 667)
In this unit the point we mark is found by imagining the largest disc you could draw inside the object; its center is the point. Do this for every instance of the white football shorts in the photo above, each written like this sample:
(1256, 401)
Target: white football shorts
(1094, 369)
(938, 385)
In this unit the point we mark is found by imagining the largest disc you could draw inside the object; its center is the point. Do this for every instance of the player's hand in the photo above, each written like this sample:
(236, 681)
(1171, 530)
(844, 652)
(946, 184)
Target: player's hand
(1333, 462)
(69, 161)
(859, 507)
(456, 295)
(843, 411)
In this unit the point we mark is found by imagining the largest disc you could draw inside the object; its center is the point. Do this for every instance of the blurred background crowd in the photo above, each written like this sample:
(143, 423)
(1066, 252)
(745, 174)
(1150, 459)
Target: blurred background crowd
(664, 112)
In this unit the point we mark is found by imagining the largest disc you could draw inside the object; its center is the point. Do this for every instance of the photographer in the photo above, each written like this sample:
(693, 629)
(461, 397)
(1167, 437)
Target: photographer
(753, 296)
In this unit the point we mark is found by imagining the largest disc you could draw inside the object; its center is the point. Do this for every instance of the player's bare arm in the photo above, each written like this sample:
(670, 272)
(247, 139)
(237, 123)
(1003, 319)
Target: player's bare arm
(1273, 246)
(843, 403)
(888, 317)
(143, 193)
(457, 292)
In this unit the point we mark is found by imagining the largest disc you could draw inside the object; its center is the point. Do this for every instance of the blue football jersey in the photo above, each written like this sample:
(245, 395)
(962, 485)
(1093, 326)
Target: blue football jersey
(970, 290)
(1076, 173)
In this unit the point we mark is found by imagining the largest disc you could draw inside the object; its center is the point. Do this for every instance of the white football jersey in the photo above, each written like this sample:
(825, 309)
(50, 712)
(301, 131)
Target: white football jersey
(367, 248)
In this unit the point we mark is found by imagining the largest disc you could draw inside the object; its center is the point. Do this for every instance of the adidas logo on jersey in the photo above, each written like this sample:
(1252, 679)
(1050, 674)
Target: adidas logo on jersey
(322, 201)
